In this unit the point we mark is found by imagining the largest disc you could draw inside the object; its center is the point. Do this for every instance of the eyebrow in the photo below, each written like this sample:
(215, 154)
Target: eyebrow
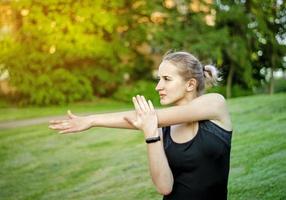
(164, 76)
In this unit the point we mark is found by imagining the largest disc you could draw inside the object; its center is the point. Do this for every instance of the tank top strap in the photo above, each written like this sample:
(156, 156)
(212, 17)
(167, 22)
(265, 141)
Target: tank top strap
(166, 136)
(219, 132)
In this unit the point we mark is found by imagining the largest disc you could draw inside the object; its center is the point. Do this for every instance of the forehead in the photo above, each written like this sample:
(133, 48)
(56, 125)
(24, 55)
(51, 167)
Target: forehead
(167, 68)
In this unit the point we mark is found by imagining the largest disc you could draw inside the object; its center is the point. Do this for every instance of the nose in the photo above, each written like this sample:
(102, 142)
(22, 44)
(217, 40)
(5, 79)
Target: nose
(159, 86)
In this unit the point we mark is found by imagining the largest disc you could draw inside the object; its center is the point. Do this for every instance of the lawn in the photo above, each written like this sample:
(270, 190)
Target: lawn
(108, 164)
(99, 105)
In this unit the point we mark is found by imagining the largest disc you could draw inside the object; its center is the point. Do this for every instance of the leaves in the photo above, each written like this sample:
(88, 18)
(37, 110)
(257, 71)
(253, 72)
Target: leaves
(95, 43)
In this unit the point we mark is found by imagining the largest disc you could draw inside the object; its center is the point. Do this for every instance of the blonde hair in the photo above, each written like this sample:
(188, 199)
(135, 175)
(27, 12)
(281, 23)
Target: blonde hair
(190, 67)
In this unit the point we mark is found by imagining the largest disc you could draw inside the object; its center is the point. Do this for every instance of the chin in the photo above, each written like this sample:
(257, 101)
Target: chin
(164, 102)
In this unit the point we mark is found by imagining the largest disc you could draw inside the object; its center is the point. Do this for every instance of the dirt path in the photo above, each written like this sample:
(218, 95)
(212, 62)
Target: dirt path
(28, 122)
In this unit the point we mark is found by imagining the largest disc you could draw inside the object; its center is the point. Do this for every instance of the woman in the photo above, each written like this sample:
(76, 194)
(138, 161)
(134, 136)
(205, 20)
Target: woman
(188, 157)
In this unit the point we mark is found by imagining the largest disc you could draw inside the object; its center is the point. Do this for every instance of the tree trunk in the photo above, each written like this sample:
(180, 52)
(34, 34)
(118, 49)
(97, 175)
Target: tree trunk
(229, 82)
(271, 81)
(272, 68)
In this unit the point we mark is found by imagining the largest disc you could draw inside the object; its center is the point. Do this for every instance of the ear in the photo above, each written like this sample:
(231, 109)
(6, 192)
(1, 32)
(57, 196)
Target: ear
(191, 85)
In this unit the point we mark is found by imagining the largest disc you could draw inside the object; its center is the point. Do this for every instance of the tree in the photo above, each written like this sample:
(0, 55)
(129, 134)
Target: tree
(64, 50)
(269, 26)
(255, 28)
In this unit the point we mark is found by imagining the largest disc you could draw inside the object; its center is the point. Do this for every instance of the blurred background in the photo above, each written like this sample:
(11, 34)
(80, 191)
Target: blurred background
(93, 56)
(62, 51)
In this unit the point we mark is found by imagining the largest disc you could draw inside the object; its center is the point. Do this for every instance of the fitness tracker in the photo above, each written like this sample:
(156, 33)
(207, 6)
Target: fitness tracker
(153, 139)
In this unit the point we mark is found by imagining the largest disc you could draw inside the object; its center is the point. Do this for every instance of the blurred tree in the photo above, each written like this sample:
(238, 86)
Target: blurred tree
(193, 26)
(254, 28)
(236, 60)
(63, 51)
(51, 40)
(268, 23)
(224, 33)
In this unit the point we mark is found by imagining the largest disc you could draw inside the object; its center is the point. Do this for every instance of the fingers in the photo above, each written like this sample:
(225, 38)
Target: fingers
(56, 122)
(63, 129)
(62, 126)
(146, 106)
(68, 131)
(151, 105)
(141, 104)
(136, 105)
(70, 116)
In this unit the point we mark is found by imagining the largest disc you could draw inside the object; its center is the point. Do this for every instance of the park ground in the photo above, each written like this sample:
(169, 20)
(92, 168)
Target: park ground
(108, 164)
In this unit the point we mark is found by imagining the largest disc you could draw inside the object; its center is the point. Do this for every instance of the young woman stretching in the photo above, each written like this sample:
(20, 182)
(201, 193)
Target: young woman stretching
(188, 143)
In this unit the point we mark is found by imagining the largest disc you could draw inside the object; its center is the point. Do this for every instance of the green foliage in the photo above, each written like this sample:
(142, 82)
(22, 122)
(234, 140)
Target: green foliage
(280, 85)
(97, 42)
(146, 88)
(237, 90)
(241, 32)
(53, 43)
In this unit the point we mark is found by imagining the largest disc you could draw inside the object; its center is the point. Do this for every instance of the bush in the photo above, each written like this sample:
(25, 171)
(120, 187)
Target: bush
(217, 89)
(59, 87)
(146, 88)
(280, 85)
(236, 91)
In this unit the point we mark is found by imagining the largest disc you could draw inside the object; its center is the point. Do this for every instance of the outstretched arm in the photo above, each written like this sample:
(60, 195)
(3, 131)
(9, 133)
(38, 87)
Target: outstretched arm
(206, 107)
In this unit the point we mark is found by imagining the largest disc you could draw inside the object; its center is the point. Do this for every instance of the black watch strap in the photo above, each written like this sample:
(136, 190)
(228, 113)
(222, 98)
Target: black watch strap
(153, 139)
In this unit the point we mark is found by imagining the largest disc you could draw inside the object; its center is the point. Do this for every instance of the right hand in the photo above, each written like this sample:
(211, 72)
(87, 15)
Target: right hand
(72, 124)
(146, 118)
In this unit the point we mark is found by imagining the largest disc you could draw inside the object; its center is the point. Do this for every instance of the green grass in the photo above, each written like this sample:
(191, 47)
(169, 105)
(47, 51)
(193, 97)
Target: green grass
(258, 156)
(108, 164)
(99, 105)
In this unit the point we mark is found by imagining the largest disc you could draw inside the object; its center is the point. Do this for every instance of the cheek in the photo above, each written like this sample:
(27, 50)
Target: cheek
(177, 87)
(175, 91)
(178, 93)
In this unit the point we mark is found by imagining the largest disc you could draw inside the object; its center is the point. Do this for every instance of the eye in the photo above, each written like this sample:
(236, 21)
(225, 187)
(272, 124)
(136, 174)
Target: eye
(165, 78)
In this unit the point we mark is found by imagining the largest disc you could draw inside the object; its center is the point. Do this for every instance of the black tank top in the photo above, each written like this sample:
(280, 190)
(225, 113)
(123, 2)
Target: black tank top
(200, 166)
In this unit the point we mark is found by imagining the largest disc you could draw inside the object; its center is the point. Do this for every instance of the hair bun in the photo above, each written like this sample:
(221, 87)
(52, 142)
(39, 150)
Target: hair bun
(211, 74)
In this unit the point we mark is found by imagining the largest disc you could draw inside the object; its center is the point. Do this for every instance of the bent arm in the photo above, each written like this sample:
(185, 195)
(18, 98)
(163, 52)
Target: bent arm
(205, 107)
(159, 168)
(147, 121)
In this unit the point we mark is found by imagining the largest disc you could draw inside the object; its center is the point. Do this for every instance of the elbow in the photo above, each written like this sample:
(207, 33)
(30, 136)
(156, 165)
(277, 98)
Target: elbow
(164, 182)
(165, 190)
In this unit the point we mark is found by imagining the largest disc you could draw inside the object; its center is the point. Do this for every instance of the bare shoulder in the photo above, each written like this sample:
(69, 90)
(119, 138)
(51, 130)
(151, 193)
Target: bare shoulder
(212, 104)
(214, 99)
(220, 106)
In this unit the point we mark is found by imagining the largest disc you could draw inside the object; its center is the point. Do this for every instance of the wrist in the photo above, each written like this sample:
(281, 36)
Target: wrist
(153, 139)
(91, 120)
(151, 134)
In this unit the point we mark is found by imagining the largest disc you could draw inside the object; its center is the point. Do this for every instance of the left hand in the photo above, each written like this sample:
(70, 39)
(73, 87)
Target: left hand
(72, 124)
(146, 118)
